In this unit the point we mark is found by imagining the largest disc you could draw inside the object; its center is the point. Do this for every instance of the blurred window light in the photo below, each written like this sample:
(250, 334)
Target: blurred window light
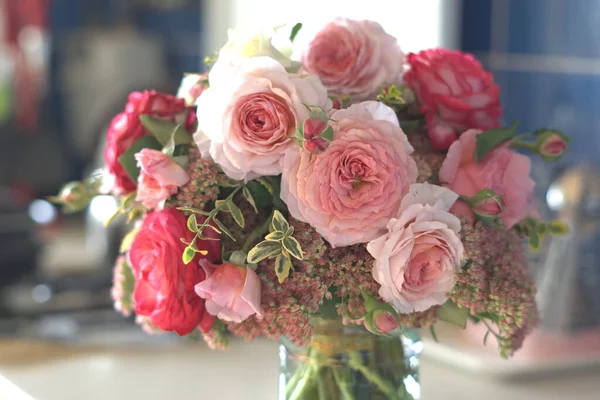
(42, 211)
(103, 207)
(41, 294)
(555, 198)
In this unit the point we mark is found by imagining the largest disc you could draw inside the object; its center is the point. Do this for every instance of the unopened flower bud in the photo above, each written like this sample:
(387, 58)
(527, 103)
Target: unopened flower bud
(551, 145)
(74, 196)
(384, 321)
(486, 204)
(317, 134)
(381, 318)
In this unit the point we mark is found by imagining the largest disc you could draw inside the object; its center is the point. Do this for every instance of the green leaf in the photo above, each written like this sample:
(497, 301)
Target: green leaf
(263, 250)
(490, 139)
(295, 31)
(283, 265)
(166, 131)
(558, 228)
(433, 334)
(249, 198)
(128, 239)
(192, 223)
(266, 184)
(188, 255)
(222, 205)
(451, 312)
(127, 160)
(290, 231)
(238, 258)
(276, 236)
(237, 214)
(318, 113)
(262, 198)
(327, 133)
(223, 229)
(534, 241)
(279, 223)
(292, 246)
(467, 265)
(485, 337)
(193, 210)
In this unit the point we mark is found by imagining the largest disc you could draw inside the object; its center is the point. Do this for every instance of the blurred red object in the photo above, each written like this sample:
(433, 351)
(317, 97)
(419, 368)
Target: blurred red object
(23, 16)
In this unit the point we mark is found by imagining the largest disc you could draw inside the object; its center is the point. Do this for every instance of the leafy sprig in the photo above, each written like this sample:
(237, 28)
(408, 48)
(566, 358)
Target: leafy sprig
(278, 244)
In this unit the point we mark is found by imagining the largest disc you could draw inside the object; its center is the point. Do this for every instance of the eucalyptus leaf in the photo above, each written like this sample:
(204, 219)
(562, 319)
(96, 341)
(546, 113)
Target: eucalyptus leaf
(263, 250)
(451, 312)
(128, 161)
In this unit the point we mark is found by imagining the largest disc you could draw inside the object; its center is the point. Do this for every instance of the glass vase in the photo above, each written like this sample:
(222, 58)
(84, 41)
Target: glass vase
(347, 362)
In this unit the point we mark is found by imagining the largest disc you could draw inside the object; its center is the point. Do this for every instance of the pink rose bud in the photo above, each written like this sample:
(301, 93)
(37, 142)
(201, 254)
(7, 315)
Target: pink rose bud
(74, 196)
(336, 103)
(552, 145)
(384, 321)
(489, 207)
(313, 128)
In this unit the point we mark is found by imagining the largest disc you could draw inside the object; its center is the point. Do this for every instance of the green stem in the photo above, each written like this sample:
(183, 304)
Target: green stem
(519, 144)
(386, 387)
(342, 384)
(214, 213)
(257, 233)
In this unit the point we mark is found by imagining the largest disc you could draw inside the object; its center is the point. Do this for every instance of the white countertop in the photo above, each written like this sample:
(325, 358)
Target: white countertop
(248, 371)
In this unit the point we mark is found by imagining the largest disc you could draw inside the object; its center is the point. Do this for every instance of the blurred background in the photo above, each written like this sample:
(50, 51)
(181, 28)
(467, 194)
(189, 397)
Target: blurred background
(66, 67)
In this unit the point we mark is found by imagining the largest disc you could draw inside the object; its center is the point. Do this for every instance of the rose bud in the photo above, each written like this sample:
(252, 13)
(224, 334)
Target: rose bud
(384, 321)
(487, 205)
(316, 133)
(381, 318)
(74, 196)
(552, 145)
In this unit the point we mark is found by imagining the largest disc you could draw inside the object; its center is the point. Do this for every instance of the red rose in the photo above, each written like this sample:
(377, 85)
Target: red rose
(164, 285)
(126, 128)
(455, 93)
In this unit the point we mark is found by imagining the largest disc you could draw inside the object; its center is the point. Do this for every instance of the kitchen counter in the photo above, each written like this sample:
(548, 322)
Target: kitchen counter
(51, 371)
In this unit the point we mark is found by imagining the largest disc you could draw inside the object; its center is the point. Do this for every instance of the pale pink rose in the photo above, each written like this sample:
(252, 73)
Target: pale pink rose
(349, 192)
(416, 261)
(160, 177)
(354, 57)
(248, 116)
(502, 170)
(232, 292)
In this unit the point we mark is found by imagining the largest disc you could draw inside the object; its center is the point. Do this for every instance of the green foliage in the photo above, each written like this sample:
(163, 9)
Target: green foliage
(278, 244)
(249, 198)
(295, 31)
(128, 161)
(451, 312)
(165, 131)
(490, 139)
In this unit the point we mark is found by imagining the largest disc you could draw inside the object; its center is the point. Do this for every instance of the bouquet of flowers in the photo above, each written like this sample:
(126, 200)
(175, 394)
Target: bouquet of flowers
(337, 181)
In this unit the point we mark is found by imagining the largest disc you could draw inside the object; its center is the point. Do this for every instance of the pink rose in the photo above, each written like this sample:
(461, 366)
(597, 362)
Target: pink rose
(354, 58)
(455, 94)
(232, 292)
(160, 177)
(191, 87)
(502, 170)
(349, 192)
(416, 261)
(384, 322)
(126, 128)
(164, 285)
(552, 145)
(248, 116)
